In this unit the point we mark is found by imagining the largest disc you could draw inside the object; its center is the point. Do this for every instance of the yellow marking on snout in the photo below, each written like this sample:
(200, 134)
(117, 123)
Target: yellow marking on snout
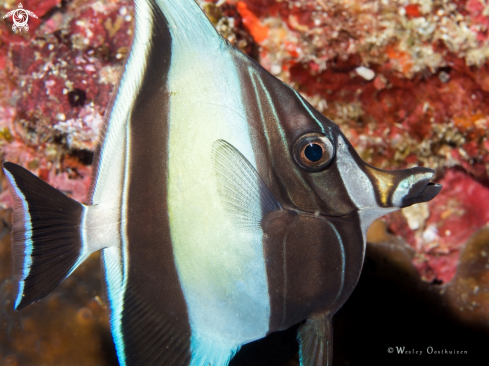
(384, 182)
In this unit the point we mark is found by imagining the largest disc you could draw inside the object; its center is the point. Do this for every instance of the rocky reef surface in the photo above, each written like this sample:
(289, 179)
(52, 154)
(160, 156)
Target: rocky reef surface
(406, 80)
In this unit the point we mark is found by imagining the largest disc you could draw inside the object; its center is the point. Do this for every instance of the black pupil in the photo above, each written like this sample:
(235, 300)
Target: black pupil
(313, 152)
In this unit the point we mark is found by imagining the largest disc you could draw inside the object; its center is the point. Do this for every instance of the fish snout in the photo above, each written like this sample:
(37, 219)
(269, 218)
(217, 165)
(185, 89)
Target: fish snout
(416, 188)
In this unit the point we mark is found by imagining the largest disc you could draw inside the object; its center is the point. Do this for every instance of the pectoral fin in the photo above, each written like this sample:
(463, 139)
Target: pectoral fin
(316, 341)
(243, 192)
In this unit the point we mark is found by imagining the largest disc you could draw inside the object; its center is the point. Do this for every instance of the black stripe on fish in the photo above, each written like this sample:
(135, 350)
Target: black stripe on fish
(155, 323)
(313, 264)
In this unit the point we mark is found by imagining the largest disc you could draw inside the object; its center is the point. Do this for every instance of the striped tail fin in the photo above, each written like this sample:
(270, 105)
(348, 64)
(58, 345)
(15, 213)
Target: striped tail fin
(46, 235)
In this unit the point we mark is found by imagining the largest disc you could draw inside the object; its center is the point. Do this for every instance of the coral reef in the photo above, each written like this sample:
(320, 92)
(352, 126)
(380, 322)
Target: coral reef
(56, 81)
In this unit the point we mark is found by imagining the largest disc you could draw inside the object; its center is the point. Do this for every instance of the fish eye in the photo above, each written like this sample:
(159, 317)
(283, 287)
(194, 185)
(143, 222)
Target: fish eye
(313, 152)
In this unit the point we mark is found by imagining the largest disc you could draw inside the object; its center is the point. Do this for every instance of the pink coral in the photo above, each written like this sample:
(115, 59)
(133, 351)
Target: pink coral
(457, 213)
(55, 86)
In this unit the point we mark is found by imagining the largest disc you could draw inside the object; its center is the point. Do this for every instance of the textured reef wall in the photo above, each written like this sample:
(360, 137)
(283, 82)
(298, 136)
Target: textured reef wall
(407, 81)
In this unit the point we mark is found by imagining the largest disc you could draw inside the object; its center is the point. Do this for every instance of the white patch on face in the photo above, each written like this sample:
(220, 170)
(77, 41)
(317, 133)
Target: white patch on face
(357, 183)
(221, 269)
(405, 185)
(359, 187)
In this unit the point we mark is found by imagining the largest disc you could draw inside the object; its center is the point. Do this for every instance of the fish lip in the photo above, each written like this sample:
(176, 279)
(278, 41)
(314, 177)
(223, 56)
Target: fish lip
(431, 190)
(422, 191)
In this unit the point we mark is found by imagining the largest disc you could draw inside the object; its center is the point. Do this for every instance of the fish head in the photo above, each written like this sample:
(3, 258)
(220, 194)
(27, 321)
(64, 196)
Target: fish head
(329, 178)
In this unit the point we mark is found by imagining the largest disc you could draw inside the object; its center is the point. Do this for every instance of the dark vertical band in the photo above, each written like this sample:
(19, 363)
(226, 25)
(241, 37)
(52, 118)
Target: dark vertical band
(155, 320)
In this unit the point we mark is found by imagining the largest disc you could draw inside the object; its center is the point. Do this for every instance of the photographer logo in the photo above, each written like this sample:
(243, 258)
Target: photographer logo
(20, 17)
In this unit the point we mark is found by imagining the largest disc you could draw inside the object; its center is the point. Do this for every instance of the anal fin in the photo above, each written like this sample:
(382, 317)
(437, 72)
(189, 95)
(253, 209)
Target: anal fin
(146, 331)
(213, 352)
(316, 341)
(150, 337)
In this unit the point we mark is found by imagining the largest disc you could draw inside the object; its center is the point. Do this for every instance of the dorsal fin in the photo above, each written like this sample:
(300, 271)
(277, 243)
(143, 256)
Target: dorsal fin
(188, 23)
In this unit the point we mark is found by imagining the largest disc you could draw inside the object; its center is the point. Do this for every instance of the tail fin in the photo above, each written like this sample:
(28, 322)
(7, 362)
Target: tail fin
(46, 235)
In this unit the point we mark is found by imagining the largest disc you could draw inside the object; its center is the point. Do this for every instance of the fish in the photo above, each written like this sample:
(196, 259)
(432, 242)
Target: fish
(224, 205)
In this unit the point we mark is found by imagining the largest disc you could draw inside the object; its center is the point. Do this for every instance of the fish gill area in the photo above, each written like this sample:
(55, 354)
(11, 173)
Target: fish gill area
(407, 81)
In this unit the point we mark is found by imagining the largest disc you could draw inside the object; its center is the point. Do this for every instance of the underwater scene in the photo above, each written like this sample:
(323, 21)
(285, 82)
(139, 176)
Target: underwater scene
(406, 82)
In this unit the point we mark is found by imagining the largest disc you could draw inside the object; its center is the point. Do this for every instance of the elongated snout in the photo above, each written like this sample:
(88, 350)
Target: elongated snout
(403, 188)
(416, 188)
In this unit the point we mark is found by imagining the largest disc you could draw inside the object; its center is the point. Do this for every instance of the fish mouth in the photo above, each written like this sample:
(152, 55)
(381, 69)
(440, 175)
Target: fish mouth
(423, 190)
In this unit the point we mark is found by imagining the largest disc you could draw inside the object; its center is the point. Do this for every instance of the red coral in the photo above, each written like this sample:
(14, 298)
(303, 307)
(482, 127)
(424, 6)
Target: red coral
(412, 10)
(41, 7)
(252, 23)
(480, 20)
(458, 211)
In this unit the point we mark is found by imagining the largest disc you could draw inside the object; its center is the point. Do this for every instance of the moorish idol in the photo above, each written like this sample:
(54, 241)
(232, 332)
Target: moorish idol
(226, 207)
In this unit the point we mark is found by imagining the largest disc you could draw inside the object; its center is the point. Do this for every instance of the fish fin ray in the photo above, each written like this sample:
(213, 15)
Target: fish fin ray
(245, 195)
(147, 337)
(315, 338)
(148, 16)
(154, 339)
(213, 352)
(46, 235)
(189, 23)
